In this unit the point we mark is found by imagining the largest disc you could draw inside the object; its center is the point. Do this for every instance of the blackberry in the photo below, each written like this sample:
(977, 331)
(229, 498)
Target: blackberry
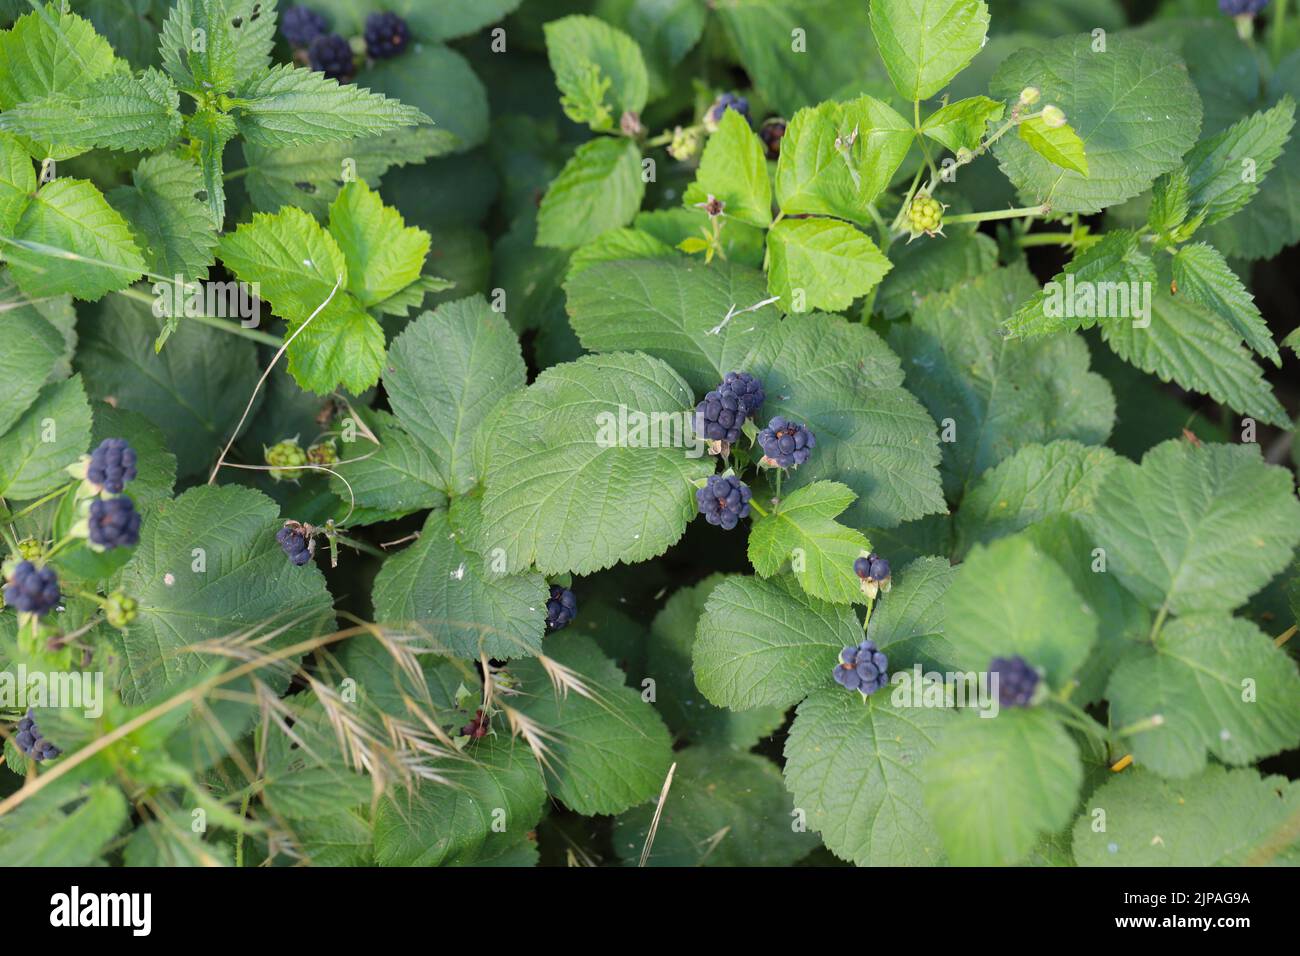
(720, 416)
(114, 523)
(727, 101)
(723, 501)
(331, 54)
(111, 465)
(287, 459)
(747, 389)
(771, 133)
(874, 572)
(1242, 8)
(561, 608)
(296, 541)
(32, 590)
(29, 549)
(386, 35)
(120, 610)
(925, 215)
(786, 444)
(863, 668)
(32, 743)
(301, 25)
(1017, 681)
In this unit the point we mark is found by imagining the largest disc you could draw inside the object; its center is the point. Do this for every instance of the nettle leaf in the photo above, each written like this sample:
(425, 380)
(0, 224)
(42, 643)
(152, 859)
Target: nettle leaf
(598, 68)
(838, 157)
(607, 750)
(734, 170)
(1000, 394)
(1205, 277)
(1010, 599)
(459, 822)
(1170, 202)
(803, 532)
(384, 255)
(1221, 817)
(853, 765)
(49, 436)
(1215, 167)
(822, 264)
(567, 490)
(961, 125)
(925, 43)
(118, 111)
(212, 131)
(1059, 145)
(237, 34)
(725, 808)
(994, 786)
(599, 188)
(168, 219)
(1133, 106)
(767, 642)
(1196, 529)
(910, 624)
(1218, 684)
(456, 595)
(71, 216)
(293, 106)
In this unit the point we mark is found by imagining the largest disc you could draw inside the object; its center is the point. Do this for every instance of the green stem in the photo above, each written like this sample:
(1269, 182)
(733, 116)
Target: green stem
(757, 507)
(1275, 29)
(907, 200)
(780, 472)
(40, 501)
(239, 837)
(1045, 239)
(59, 547)
(237, 173)
(999, 214)
(359, 545)
(234, 328)
(1159, 622)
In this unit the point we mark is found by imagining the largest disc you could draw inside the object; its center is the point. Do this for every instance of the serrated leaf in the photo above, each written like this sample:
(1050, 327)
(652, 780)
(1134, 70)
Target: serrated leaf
(1196, 529)
(733, 169)
(598, 68)
(803, 532)
(565, 491)
(395, 479)
(211, 131)
(33, 346)
(438, 81)
(49, 436)
(910, 624)
(767, 642)
(627, 243)
(384, 255)
(994, 786)
(607, 750)
(822, 264)
(1170, 202)
(343, 345)
(1225, 170)
(17, 182)
(961, 125)
(1134, 108)
(294, 261)
(852, 766)
(47, 836)
(1059, 145)
(925, 43)
(1218, 684)
(1205, 277)
(237, 39)
(599, 188)
(921, 268)
(169, 221)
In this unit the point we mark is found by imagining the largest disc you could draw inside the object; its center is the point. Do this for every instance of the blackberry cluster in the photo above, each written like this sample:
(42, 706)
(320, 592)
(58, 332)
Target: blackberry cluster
(295, 540)
(31, 743)
(387, 35)
(786, 444)
(925, 215)
(114, 523)
(561, 608)
(1242, 8)
(331, 54)
(863, 668)
(722, 414)
(301, 25)
(771, 133)
(874, 572)
(32, 590)
(1017, 681)
(111, 465)
(727, 101)
(723, 501)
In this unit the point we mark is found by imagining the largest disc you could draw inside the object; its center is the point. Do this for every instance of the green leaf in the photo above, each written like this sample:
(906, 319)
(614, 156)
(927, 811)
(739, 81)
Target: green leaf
(627, 243)
(1134, 108)
(168, 219)
(961, 125)
(383, 254)
(52, 434)
(457, 822)
(47, 836)
(607, 750)
(243, 582)
(155, 465)
(734, 170)
(1170, 202)
(1205, 277)
(1218, 685)
(395, 479)
(852, 766)
(17, 182)
(838, 157)
(237, 40)
(343, 345)
(599, 188)
(1059, 145)
(925, 43)
(33, 347)
(921, 268)
(725, 808)
(439, 82)
(1196, 529)
(565, 490)
(1225, 170)
(803, 532)
(910, 624)
(599, 70)
(822, 264)
(457, 597)
(212, 131)
(1009, 599)
(294, 106)
(998, 394)
(767, 642)
(1220, 818)
(295, 262)
(993, 787)
(72, 216)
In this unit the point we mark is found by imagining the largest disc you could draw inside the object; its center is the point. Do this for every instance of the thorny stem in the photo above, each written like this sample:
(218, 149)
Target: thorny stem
(1275, 29)
(1040, 210)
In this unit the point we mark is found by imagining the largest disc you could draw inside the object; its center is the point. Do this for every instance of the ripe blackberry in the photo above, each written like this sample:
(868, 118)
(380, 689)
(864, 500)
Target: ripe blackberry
(32, 590)
(1242, 8)
(296, 541)
(32, 743)
(863, 668)
(1017, 681)
(287, 457)
(727, 101)
(925, 215)
(111, 465)
(747, 390)
(331, 54)
(114, 523)
(300, 25)
(386, 35)
(561, 608)
(786, 444)
(874, 572)
(723, 501)
(771, 133)
(720, 416)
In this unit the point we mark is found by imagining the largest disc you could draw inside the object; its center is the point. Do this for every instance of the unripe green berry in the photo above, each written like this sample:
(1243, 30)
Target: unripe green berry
(1030, 95)
(323, 453)
(1053, 116)
(287, 457)
(120, 610)
(30, 549)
